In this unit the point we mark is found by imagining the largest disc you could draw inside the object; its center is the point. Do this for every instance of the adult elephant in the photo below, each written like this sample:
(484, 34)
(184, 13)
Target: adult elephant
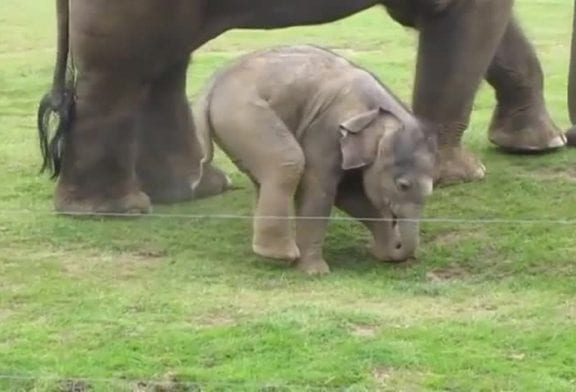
(125, 133)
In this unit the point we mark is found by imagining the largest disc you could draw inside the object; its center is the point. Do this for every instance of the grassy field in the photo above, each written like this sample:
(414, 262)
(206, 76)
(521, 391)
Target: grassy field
(111, 302)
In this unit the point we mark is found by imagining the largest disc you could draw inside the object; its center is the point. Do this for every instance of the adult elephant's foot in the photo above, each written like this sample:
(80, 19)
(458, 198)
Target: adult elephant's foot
(166, 184)
(169, 155)
(69, 201)
(213, 182)
(571, 137)
(525, 130)
(456, 165)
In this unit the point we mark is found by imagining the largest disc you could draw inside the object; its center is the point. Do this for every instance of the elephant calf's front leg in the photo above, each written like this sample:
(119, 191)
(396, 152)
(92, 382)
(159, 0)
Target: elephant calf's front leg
(314, 203)
(353, 201)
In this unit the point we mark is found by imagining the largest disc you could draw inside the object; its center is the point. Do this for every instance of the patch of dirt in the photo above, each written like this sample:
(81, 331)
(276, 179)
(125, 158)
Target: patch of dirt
(172, 384)
(216, 320)
(364, 331)
(122, 264)
(74, 386)
(451, 272)
(383, 375)
(152, 253)
(455, 237)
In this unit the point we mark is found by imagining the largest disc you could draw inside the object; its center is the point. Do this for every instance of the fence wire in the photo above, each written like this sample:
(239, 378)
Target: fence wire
(503, 221)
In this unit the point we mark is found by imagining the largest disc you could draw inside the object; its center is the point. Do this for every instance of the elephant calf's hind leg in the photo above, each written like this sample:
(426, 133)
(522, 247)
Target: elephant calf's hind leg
(260, 143)
(273, 233)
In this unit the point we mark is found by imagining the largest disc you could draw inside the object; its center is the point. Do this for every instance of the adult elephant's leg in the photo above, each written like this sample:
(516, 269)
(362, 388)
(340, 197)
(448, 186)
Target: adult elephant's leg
(456, 46)
(99, 154)
(521, 121)
(169, 153)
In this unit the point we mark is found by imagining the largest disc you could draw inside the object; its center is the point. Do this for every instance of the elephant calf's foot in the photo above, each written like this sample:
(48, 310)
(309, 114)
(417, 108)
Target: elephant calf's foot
(133, 204)
(456, 165)
(313, 267)
(525, 130)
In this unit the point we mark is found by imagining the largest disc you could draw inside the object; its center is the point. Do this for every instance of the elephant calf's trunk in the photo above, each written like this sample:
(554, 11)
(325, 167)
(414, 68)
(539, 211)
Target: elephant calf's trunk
(397, 240)
(406, 239)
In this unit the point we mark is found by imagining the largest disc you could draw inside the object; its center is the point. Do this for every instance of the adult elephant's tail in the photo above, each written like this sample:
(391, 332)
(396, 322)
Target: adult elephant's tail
(572, 83)
(60, 99)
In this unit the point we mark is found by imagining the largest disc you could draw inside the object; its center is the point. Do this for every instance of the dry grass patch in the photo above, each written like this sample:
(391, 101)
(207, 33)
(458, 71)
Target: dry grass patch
(395, 311)
(363, 331)
(88, 263)
(452, 272)
(561, 173)
(457, 236)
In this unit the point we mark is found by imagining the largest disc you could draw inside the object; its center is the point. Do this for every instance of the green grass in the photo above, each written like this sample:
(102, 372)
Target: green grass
(488, 307)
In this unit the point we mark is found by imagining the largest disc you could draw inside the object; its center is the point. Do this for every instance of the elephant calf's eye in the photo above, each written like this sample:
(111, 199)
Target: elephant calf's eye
(403, 184)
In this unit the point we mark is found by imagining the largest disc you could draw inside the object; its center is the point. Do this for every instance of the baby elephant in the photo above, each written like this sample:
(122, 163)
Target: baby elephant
(312, 130)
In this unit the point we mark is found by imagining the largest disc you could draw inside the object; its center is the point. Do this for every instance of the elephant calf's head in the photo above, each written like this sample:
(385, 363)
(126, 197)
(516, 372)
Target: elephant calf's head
(398, 162)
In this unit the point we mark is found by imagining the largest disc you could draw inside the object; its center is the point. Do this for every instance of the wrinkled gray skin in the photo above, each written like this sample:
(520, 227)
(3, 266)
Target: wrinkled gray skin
(323, 133)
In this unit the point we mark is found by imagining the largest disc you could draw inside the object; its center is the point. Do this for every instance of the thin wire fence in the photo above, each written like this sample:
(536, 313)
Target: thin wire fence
(503, 221)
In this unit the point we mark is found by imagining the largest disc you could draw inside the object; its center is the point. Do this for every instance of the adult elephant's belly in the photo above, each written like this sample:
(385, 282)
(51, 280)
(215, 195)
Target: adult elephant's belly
(271, 14)
(137, 35)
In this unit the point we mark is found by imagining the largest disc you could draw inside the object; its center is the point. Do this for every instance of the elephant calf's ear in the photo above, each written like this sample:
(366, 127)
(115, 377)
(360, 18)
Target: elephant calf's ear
(354, 154)
(361, 135)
